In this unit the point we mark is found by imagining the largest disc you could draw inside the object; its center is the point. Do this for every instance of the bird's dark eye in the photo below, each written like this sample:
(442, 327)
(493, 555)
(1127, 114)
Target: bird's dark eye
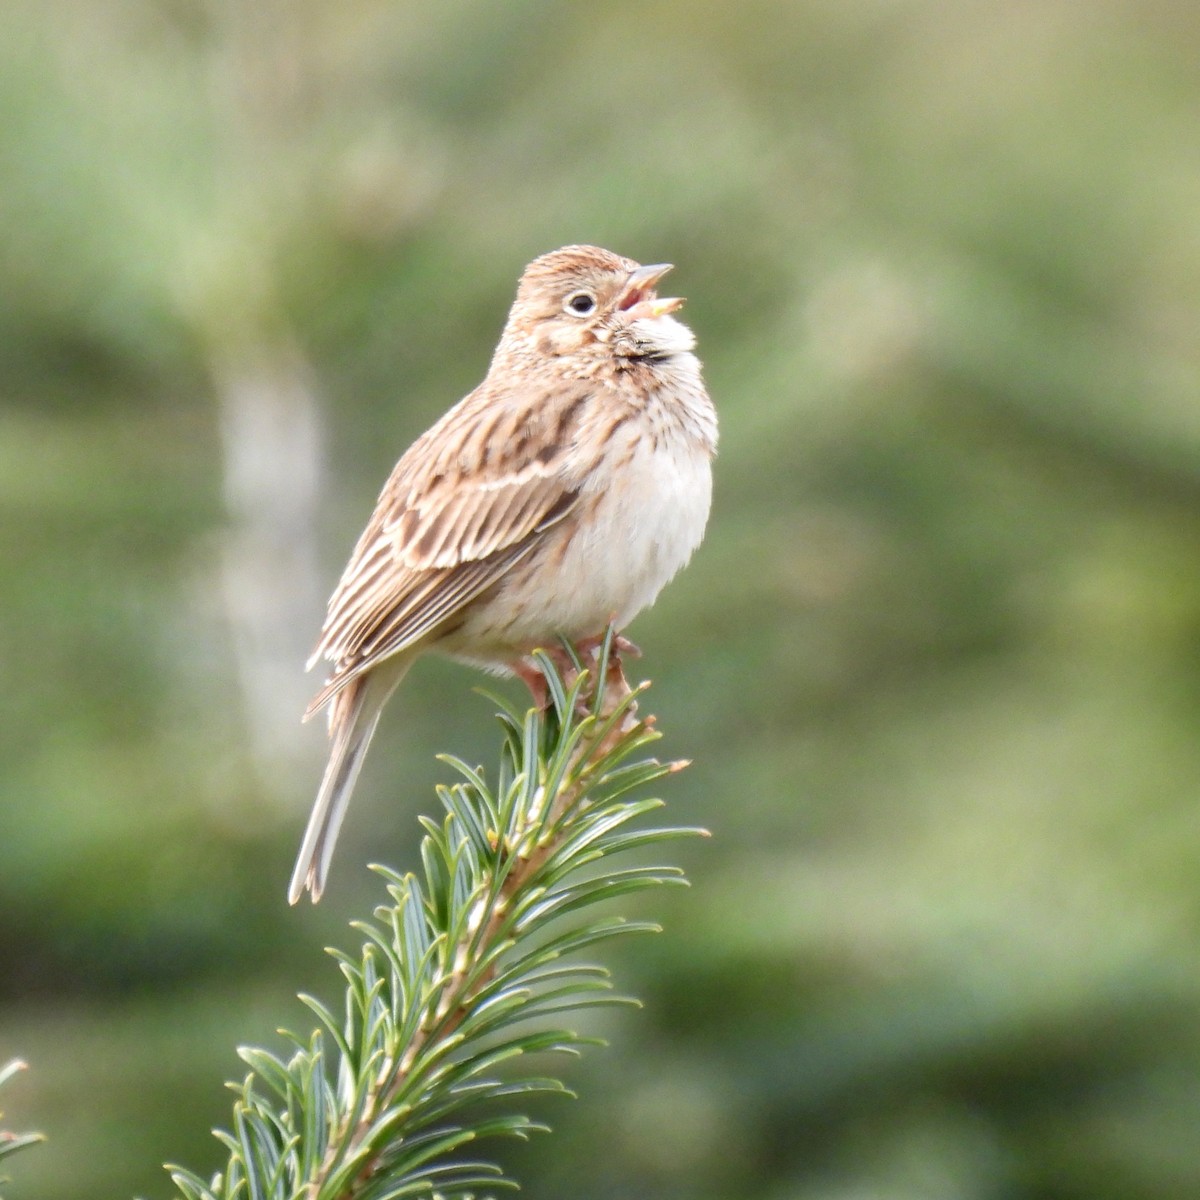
(580, 303)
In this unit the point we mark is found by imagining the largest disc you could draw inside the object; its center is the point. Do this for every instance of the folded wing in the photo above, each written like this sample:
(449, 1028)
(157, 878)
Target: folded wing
(469, 500)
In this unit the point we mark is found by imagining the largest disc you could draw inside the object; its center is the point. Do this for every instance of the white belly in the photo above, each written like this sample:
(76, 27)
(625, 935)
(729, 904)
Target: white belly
(633, 530)
(644, 528)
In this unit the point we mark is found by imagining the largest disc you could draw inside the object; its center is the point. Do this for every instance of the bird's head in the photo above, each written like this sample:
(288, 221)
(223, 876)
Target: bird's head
(592, 304)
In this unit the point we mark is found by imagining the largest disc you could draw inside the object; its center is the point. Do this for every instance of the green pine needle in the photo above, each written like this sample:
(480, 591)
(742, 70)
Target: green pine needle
(468, 970)
(10, 1142)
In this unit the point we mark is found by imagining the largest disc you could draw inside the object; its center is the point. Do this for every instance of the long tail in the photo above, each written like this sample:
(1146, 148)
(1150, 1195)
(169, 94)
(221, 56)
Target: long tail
(352, 721)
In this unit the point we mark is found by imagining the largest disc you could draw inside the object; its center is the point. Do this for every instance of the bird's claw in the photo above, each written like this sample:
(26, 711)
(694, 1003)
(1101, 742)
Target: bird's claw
(616, 687)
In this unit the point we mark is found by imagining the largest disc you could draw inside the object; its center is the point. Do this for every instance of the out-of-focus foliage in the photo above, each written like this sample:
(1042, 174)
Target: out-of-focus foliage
(11, 1142)
(938, 662)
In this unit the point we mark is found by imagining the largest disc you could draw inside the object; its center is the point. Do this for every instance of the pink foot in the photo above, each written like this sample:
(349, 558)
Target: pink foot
(588, 650)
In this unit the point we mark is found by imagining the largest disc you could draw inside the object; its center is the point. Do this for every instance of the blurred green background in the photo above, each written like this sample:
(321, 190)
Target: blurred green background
(938, 662)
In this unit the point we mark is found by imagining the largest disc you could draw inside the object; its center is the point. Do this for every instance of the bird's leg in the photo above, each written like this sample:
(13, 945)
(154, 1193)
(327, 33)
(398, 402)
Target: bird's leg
(531, 675)
(534, 680)
(616, 687)
(588, 650)
(620, 645)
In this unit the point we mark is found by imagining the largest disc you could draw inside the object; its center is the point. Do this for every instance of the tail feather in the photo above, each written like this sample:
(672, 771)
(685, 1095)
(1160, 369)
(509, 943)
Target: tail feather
(352, 721)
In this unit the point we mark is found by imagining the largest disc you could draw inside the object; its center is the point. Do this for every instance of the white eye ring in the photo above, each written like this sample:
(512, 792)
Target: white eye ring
(580, 304)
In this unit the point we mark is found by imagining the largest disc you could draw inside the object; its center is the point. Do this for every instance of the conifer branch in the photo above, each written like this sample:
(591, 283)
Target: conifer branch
(466, 972)
(10, 1142)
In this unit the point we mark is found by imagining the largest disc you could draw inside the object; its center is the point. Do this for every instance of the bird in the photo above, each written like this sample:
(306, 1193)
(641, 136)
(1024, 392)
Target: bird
(561, 495)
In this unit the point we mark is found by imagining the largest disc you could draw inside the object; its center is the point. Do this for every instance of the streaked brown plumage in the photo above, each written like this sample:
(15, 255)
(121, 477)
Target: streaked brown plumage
(562, 493)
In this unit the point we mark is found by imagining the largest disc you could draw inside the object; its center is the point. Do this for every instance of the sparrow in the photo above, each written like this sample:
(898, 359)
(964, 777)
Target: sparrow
(558, 497)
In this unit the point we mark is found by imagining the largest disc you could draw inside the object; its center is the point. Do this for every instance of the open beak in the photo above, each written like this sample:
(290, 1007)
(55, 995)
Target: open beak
(638, 298)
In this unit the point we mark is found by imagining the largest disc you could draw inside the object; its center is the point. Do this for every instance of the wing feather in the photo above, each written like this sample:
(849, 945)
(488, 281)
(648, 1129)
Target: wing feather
(468, 500)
